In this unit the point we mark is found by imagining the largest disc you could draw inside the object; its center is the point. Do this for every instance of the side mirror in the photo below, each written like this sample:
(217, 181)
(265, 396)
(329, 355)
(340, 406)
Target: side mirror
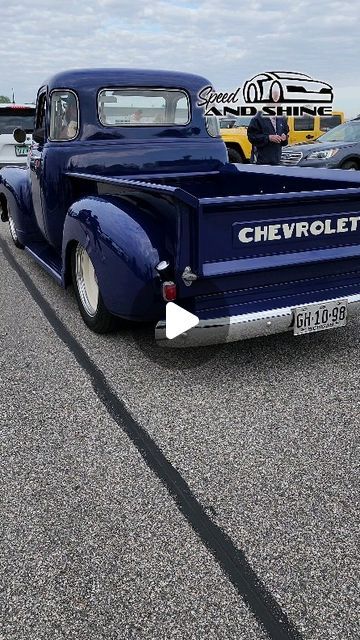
(39, 135)
(19, 135)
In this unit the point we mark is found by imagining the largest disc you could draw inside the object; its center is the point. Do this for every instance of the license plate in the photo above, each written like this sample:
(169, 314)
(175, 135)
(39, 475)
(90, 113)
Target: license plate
(21, 151)
(321, 316)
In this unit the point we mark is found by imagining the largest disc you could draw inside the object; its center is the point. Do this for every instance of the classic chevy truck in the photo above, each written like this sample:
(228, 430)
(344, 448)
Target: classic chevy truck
(128, 195)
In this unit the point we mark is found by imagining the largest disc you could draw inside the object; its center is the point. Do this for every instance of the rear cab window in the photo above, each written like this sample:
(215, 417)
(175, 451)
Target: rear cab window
(143, 107)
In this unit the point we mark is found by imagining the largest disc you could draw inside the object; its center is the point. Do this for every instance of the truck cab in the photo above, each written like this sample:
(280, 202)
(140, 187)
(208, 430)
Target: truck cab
(122, 131)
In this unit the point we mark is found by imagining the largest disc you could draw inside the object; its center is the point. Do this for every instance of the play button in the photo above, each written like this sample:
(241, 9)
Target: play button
(178, 320)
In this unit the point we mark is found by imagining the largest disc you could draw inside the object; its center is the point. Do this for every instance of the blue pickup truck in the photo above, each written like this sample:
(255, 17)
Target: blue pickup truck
(129, 196)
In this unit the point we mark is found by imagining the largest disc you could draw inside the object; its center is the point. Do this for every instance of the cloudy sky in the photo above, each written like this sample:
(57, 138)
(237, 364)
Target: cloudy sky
(226, 41)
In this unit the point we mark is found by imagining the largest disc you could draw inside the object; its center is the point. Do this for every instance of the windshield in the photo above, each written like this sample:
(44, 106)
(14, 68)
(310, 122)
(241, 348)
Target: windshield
(242, 121)
(238, 121)
(348, 132)
(13, 117)
(227, 123)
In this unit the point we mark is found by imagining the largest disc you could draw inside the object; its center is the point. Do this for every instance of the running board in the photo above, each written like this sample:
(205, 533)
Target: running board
(46, 257)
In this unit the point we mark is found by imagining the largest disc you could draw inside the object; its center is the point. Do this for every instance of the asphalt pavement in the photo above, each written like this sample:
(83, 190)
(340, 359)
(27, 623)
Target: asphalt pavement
(153, 494)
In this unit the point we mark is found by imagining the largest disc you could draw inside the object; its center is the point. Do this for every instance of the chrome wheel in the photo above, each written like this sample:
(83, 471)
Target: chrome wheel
(350, 165)
(13, 233)
(86, 281)
(13, 230)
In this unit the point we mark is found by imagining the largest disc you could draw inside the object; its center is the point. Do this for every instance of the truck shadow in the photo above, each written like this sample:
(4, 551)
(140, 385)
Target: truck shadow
(272, 352)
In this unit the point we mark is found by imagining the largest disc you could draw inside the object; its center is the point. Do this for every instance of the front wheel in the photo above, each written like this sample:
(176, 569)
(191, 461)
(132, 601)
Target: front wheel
(234, 156)
(13, 233)
(350, 165)
(88, 295)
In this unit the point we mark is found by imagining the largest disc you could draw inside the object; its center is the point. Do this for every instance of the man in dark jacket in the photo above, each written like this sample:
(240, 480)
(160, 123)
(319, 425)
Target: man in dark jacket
(267, 134)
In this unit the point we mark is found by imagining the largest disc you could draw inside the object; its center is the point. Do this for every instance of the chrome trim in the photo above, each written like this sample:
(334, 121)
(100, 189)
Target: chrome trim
(242, 327)
(188, 277)
(86, 283)
(13, 229)
(291, 158)
(162, 266)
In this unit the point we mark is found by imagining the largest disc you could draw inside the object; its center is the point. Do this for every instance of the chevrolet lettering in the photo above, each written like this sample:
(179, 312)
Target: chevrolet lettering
(303, 228)
(128, 195)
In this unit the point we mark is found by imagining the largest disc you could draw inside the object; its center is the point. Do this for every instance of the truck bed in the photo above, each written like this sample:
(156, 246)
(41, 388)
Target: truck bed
(243, 277)
(250, 180)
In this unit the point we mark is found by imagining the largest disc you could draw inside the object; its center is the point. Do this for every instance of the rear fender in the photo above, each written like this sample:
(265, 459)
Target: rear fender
(16, 200)
(123, 254)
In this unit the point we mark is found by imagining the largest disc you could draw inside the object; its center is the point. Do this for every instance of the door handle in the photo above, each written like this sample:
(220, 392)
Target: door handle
(35, 164)
(309, 136)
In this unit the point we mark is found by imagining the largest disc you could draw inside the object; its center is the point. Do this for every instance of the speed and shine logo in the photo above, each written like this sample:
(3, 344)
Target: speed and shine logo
(278, 93)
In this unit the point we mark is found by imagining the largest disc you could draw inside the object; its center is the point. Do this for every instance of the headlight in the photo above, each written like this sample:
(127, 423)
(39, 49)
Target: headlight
(322, 155)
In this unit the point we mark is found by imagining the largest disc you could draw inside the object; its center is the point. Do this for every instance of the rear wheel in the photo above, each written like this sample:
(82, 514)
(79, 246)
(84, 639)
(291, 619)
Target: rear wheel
(351, 165)
(13, 234)
(88, 294)
(234, 156)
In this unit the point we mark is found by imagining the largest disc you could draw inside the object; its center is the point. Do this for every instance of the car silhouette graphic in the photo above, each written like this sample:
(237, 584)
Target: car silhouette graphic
(291, 87)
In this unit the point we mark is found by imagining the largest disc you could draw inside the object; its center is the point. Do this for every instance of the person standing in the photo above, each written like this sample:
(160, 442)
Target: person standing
(267, 134)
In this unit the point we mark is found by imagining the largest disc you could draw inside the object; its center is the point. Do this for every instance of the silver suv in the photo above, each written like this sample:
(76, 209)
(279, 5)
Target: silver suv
(338, 148)
(13, 116)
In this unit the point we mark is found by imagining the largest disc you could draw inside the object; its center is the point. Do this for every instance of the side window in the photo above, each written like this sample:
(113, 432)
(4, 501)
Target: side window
(212, 126)
(304, 123)
(64, 115)
(329, 122)
(41, 112)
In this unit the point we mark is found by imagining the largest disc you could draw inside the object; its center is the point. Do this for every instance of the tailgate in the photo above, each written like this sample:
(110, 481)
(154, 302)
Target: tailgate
(250, 233)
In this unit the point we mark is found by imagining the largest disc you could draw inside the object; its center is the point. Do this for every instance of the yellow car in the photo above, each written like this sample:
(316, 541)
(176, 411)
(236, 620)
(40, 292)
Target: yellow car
(308, 128)
(302, 129)
(234, 133)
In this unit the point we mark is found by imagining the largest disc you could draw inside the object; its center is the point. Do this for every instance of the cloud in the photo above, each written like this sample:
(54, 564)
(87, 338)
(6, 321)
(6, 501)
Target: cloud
(226, 42)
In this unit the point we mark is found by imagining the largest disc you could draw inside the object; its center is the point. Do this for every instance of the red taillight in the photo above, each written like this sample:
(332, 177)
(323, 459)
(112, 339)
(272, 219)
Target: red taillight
(169, 291)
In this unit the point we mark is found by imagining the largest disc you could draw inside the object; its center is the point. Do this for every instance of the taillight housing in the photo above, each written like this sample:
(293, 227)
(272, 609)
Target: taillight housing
(169, 291)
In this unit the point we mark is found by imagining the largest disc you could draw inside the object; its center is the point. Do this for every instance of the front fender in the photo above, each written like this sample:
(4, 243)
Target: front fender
(122, 252)
(15, 189)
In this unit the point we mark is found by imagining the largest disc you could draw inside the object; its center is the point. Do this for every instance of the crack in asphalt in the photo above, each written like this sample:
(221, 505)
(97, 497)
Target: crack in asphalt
(232, 560)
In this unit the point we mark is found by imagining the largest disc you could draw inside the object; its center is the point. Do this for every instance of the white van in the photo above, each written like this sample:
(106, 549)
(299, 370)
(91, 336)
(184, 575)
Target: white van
(13, 116)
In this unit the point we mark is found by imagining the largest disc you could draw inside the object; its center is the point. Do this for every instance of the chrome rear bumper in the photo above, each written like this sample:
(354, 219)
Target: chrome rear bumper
(242, 327)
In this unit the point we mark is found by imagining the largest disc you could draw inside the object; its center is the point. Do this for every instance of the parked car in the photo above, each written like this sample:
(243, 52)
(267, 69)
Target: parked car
(140, 213)
(237, 143)
(231, 122)
(339, 148)
(290, 86)
(306, 128)
(301, 129)
(13, 116)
